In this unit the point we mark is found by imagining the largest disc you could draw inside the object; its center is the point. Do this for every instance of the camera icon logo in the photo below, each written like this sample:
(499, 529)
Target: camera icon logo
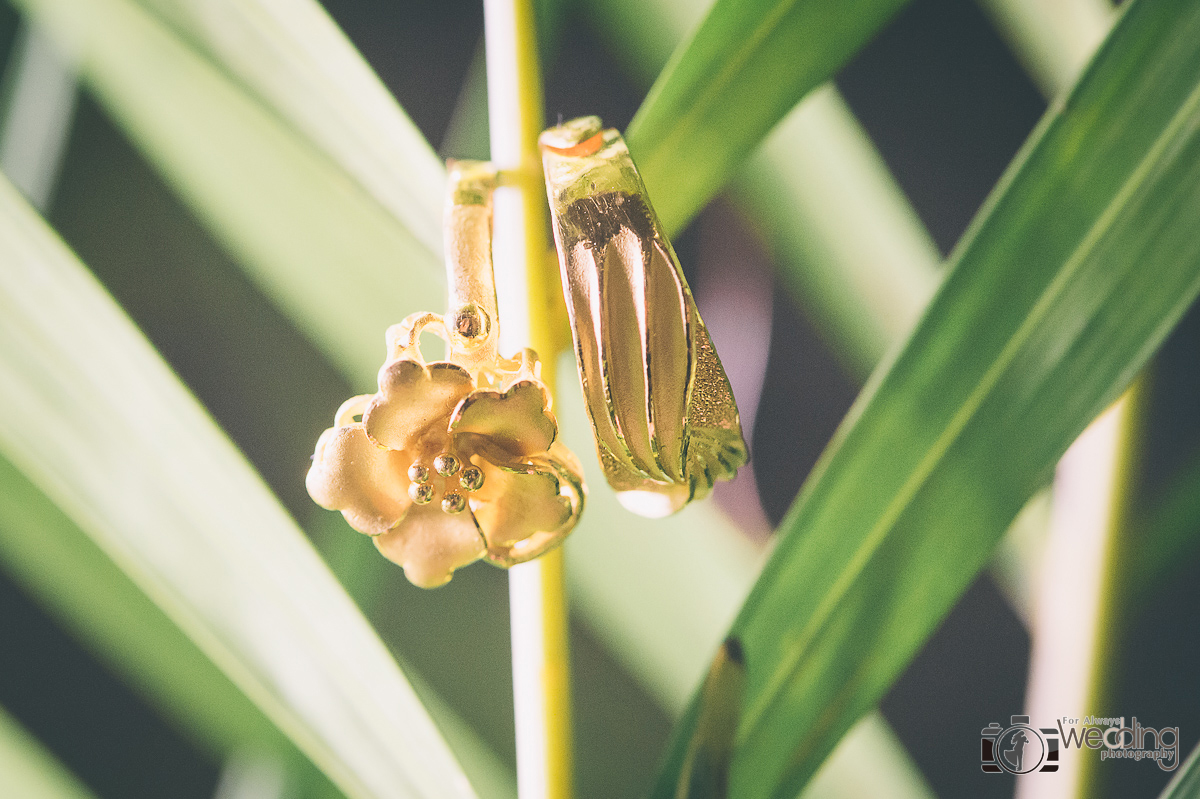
(1019, 748)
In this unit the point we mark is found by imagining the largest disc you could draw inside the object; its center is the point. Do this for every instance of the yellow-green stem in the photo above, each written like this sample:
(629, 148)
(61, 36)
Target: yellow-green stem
(1115, 587)
(1077, 614)
(527, 289)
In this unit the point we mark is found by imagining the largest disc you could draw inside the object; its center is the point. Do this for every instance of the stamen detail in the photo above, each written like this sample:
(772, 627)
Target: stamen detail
(471, 478)
(446, 464)
(418, 473)
(421, 493)
(453, 503)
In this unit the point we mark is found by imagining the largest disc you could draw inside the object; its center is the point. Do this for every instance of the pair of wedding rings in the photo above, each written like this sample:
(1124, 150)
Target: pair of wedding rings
(457, 460)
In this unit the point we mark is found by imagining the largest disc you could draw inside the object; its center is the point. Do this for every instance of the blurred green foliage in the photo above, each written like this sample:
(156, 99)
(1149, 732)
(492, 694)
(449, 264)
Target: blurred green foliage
(279, 138)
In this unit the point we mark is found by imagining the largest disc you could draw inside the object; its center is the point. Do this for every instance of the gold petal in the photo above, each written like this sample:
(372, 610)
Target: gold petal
(415, 402)
(367, 484)
(519, 420)
(527, 509)
(430, 544)
(351, 408)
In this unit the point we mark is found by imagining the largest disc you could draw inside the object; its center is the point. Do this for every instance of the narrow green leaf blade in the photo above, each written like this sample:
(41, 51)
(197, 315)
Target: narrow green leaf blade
(1051, 40)
(95, 419)
(862, 265)
(743, 69)
(65, 570)
(299, 222)
(1073, 274)
(297, 62)
(1167, 530)
(849, 246)
(333, 311)
(29, 771)
(661, 595)
(1185, 784)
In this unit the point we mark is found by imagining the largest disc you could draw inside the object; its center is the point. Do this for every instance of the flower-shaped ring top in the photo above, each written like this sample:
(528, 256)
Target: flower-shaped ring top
(455, 460)
(449, 464)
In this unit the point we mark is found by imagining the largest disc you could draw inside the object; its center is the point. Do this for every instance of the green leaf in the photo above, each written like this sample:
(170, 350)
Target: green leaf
(1051, 40)
(850, 248)
(364, 574)
(1185, 784)
(299, 64)
(269, 193)
(28, 771)
(891, 775)
(74, 580)
(346, 315)
(68, 573)
(96, 421)
(1165, 532)
(660, 593)
(352, 322)
(1073, 274)
(489, 775)
(670, 661)
(858, 259)
(743, 69)
(345, 318)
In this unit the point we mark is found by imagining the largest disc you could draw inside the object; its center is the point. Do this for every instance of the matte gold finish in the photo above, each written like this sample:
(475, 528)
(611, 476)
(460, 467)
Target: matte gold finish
(472, 313)
(455, 460)
(665, 419)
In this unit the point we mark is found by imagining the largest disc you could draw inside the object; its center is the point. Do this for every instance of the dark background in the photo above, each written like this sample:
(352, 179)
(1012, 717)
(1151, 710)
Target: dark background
(947, 106)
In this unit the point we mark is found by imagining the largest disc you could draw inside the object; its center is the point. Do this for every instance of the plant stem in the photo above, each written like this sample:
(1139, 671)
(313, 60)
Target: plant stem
(526, 290)
(1076, 619)
(541, 684)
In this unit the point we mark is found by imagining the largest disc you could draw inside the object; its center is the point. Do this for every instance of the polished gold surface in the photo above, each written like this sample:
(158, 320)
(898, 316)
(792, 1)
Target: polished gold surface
(665, 419)
(455, 460)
